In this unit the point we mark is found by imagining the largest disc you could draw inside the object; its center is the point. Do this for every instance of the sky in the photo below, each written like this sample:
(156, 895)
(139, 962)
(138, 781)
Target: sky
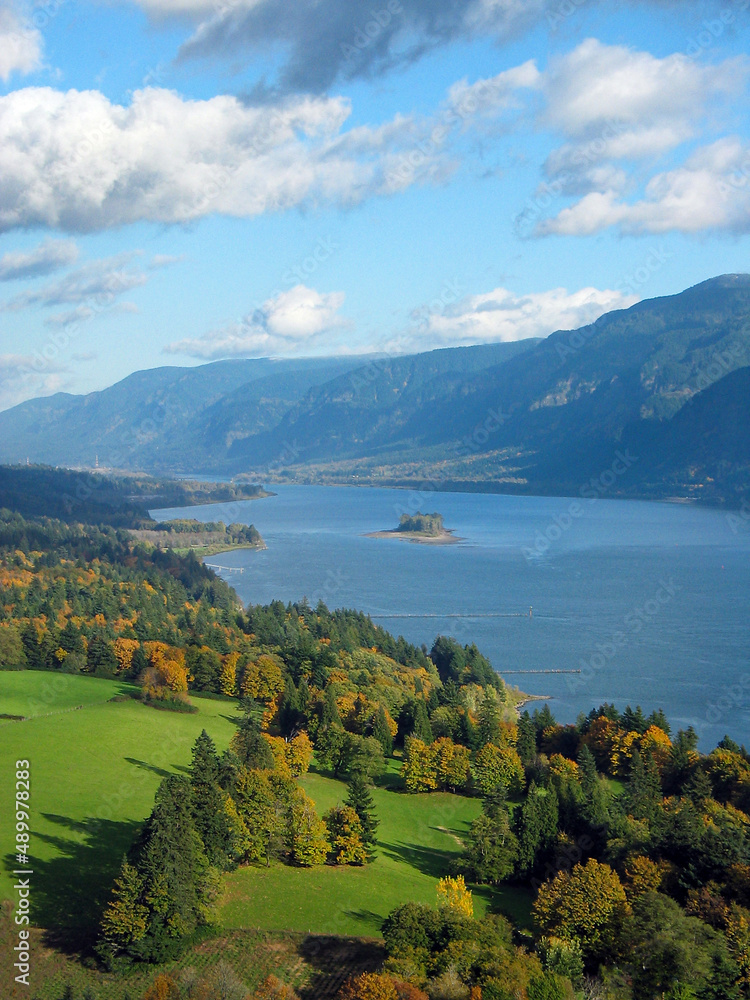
(183, 181)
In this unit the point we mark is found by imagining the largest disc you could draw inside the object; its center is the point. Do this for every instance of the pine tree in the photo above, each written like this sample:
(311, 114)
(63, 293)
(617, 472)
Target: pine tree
(422, 728)
(526, 745)
(250, 747)
(359, 798)
(382, 732)
(489, 721)
(207, 799)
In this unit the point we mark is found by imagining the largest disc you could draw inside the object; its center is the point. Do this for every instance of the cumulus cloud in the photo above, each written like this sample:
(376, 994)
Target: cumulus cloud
(49, 256)
(502, 316)
(285, 324)
(620, 109)
(711, 191)
(20, 43)
(171, 160)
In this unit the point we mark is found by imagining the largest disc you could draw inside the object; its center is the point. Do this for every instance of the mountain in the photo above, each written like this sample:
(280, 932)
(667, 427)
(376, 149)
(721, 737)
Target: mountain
(663, 378)
(561, 408)
(193, 419)
(153, 419)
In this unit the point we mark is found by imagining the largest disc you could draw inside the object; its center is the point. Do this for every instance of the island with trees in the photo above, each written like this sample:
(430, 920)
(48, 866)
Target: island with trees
(419, 527)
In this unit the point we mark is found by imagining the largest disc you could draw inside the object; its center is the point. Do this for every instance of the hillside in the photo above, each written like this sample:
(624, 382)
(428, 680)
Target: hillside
(537, 416)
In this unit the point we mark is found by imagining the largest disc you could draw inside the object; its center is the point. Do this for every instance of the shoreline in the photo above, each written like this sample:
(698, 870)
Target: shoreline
(445, 537)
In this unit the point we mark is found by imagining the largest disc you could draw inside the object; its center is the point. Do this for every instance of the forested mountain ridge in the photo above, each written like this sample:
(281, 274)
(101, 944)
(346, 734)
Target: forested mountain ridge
(533, 416)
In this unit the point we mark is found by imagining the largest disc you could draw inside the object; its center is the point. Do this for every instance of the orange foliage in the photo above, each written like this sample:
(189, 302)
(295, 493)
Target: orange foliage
(162, 988)
(368, 986)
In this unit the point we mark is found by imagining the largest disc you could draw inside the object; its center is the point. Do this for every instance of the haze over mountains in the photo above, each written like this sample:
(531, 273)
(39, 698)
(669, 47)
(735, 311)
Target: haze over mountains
(667, 379)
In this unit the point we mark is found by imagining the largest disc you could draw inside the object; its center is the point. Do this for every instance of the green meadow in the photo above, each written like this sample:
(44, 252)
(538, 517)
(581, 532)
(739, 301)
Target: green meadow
(95, 766)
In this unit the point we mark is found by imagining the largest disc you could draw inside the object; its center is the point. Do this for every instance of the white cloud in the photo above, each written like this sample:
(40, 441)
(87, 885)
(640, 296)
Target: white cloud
(502, 316)
(25, 377)
(711, 191)
(95, 284)
(286, 324)
(20, 43)
(49, 256)
(172, 160)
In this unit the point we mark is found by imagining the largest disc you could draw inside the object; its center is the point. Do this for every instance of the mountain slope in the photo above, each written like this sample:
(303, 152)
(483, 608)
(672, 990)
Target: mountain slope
(564, 403)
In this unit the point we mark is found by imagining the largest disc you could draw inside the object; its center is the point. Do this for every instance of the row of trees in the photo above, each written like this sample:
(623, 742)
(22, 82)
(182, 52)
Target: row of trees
(243, 806)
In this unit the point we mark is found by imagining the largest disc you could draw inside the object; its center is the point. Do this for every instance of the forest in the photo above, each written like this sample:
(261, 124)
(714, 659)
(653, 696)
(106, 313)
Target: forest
(635, 845)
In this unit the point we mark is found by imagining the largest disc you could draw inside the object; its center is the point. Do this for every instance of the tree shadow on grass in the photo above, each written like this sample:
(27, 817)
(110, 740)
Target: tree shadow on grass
(335, 959)
(390, 781)
(162, 773)
(70, 890)
(428, 861)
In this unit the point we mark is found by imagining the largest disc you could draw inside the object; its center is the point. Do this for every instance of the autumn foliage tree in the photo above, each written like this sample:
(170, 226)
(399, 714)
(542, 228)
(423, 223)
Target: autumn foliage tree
(587, 905)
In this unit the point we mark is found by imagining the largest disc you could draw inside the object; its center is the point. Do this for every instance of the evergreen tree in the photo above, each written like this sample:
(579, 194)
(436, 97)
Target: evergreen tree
(422, 728)
(330, 715)
(633, 720)
(359, 798)
(536, 828)
(382, 732)
(526, 745)
(250, 746)
(174, 869)
(643, 795)
(489, 721)
(208, 806)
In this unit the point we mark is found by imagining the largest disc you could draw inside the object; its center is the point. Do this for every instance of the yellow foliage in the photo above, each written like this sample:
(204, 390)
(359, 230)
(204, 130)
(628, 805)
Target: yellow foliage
(124, 649)
(453, 895)
(642, 875)
(263, 679)
(228, 678)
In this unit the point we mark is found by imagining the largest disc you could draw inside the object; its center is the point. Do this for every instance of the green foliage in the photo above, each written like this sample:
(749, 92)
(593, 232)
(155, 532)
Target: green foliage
(359, 798)
(423, 524)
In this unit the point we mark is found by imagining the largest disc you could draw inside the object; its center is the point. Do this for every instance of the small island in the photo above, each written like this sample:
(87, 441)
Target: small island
(423, 528)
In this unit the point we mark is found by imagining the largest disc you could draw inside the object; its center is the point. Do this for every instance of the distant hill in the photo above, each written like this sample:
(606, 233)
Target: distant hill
(87, 498)
(197, 420)
(534, 416)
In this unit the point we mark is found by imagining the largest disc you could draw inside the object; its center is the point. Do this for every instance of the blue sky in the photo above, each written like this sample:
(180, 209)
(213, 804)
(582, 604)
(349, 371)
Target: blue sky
(188, 180)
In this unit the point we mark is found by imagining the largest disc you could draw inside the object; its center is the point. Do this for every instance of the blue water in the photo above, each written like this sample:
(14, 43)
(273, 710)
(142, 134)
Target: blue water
(649, 601)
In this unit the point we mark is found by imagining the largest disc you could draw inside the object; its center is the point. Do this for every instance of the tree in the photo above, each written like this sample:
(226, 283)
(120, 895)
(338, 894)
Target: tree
(495, 766)
(344, 832)
(359, 798)
(454, 896)
(262, 800)
(382, 732)
(177, 879)
(492, 848)
(489, 720)
(251, 747)
(125, 918)
(643, 795)
(306, 833)
(526, 745)
(368, 986)
(208, 801)
(419, 771)
(587, 905)
(536, 828)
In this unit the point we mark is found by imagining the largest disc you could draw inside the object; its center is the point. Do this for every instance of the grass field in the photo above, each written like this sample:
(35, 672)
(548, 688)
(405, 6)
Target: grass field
(94, 772)
(419, 838)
